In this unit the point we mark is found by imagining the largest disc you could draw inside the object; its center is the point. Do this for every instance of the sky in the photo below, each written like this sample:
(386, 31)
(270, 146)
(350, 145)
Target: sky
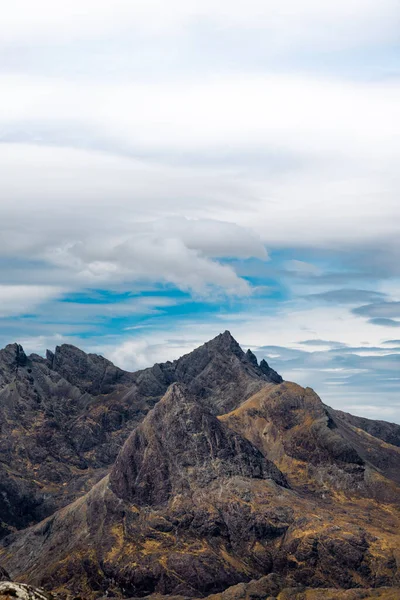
(170, 170)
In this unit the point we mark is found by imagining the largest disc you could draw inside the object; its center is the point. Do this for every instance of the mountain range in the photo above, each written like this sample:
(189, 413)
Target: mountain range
(206, 476)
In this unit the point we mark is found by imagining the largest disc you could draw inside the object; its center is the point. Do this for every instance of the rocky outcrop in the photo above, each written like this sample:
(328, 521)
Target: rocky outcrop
(21, 591)
(180, 446)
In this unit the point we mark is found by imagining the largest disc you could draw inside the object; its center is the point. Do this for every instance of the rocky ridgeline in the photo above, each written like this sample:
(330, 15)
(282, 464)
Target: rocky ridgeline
(65, 417)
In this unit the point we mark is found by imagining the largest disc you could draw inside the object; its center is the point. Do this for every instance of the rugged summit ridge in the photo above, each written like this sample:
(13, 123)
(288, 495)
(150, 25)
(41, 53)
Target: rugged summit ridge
(65, 417)
(219, 372)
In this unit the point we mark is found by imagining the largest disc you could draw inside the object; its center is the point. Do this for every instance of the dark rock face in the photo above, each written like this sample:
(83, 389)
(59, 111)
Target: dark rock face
(179, 446)
(270, 373)
(4, 576)
(88, 372)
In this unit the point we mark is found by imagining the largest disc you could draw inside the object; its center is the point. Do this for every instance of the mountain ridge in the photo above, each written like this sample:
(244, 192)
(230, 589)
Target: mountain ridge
(218, 472)
(66, 416)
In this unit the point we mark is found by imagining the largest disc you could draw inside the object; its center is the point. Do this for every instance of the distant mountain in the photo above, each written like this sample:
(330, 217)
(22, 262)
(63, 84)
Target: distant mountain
(191, 478)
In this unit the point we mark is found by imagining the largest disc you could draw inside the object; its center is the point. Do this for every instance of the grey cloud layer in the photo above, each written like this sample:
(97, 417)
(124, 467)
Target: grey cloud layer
(347, 296)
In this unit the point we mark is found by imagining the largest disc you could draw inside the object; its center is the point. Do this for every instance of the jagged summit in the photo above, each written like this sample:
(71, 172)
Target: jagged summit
(179, 446)
(225, 342)
(89, 372)
(220, 372)
(252, 358)
(12, 356)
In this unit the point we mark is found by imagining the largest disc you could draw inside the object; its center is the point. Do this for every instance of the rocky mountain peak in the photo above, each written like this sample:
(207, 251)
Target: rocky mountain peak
(225, 342)
(13, 355)
(269, 372)
(180, 446)
(220, 474)
(252, 358)
(220, 373)
(90, 373)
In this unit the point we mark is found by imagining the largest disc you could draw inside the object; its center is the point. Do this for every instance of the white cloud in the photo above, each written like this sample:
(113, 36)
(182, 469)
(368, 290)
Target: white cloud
(338, 142)
(213, 238)
(302, 268)
(19, 299)
(285, 21)
(92, 216)
(146, 257)
(285, 112)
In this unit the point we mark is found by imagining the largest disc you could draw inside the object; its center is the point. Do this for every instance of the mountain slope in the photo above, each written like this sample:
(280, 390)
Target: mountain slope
(387, 432)
(191, 507)
(314, 447)
(159, 522)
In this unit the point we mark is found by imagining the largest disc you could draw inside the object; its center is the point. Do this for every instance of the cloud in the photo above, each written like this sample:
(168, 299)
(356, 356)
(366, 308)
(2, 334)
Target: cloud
(284, 20)
(213, 238)
(335, 158)
(66, 220)
(154, 145)
(387, 309)
(19, 299)
(325, 343)
(383, 322)
(347, 296)
(147, 257)
(301, 268)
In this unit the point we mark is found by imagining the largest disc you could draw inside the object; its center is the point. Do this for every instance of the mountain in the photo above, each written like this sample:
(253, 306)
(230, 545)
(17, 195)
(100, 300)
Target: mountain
(64, 418)
(215, 477)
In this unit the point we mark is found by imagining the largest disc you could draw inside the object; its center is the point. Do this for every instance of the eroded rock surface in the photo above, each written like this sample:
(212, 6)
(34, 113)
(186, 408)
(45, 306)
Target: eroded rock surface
(9, 590)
